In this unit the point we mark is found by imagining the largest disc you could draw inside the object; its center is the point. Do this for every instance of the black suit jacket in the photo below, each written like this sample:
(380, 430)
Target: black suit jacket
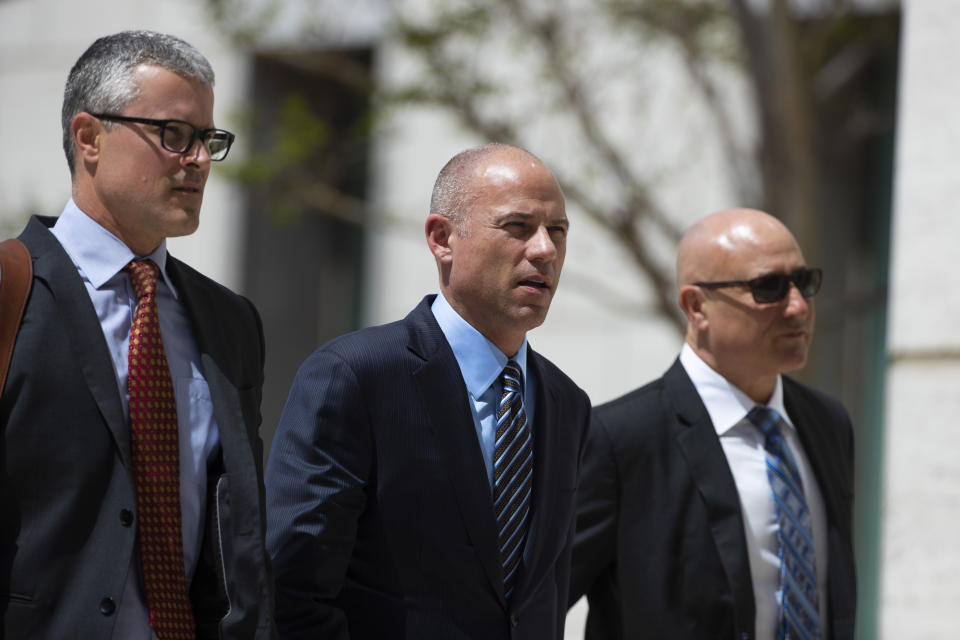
(660, 550)
(380, 517)
(68, 519)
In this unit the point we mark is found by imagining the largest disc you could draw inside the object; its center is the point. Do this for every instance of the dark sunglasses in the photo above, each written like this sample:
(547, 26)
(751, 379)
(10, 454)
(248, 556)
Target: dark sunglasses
(774, 287)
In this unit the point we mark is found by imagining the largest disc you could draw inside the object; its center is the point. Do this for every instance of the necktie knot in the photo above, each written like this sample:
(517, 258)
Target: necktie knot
(143, 276)
(512, 377)
(765, 419)
(512, 395)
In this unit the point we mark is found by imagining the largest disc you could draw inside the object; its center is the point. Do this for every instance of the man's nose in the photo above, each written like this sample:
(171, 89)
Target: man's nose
(541, 246)
(197, 154)
(796, 303)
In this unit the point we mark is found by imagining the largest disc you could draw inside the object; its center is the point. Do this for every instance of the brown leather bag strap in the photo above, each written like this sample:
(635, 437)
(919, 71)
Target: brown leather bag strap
(16, 277)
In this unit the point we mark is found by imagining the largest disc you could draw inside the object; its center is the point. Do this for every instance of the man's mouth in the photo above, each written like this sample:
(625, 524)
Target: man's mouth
(538, 284)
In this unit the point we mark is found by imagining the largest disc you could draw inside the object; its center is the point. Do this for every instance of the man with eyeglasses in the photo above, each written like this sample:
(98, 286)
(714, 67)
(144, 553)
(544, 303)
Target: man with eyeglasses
(131, 482)
(716, 501)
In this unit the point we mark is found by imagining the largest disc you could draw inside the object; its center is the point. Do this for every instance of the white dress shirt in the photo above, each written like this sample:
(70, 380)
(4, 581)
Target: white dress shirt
(742, 445)
(100, 258)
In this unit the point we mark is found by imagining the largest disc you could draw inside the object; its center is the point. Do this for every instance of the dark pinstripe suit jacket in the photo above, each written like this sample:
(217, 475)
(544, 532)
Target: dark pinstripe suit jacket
(380, 518)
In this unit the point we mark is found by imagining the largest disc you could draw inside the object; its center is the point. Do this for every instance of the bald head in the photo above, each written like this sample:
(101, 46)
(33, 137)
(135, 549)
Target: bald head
(748, 342)
(455, 188)
(713, 243)
(497, 229)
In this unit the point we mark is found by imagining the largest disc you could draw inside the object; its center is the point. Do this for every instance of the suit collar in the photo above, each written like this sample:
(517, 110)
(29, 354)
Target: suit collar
(452, 425)
(98, 253)
(481, 362)
(697, 439)
(811, 426)
(54, 269)
(227, 371)
(443, 392)
(726, 404)
(216, 331)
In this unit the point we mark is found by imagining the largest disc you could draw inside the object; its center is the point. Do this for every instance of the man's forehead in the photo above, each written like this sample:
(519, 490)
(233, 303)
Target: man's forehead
(737, 237)
(500, 172)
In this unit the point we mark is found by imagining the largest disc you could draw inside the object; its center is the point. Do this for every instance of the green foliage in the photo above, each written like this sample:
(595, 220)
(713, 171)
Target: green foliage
(300, 134)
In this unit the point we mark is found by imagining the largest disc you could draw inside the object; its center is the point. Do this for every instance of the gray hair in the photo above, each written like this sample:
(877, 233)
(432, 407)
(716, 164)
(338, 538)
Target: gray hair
(452, 196)
(102, 81)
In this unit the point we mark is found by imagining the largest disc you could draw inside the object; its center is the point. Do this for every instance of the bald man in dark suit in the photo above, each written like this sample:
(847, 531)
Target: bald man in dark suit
(682, 527)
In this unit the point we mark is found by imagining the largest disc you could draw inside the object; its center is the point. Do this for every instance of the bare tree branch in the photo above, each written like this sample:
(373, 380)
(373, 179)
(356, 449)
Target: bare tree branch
(782, 54)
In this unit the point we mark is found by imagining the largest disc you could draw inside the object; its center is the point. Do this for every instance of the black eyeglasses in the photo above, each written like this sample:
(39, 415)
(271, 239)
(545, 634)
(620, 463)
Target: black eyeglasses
(178, 136)
(775, 286)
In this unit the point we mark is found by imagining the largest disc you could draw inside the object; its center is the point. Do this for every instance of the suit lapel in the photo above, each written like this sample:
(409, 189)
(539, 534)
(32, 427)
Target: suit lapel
(819, 452)
(697, 439)
(53, 267)
(220, 362)
(200, 308)
(221, 351)
(444, 397)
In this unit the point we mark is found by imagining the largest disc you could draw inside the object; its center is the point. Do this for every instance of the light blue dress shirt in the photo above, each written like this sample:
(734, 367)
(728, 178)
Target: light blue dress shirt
(100, 258)
(481, 364)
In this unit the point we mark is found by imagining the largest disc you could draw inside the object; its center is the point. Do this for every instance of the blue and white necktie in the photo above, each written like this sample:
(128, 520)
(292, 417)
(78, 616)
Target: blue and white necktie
(799, 609)
(512, 473)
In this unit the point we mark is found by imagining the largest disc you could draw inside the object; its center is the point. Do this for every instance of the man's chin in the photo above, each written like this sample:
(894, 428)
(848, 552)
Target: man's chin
(183, 223)
(529, 316)
(794, 361)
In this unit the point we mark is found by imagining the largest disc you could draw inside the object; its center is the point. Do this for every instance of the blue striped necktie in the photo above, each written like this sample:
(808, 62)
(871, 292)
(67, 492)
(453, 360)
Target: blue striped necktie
(512, 472)
(799, 610)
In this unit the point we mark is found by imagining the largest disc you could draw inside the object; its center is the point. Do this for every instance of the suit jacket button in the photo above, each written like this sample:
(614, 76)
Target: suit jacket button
(107, 606)
(514, 619)
(126, 517)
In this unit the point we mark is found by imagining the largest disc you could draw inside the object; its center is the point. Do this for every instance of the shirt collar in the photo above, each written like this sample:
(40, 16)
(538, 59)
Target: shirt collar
(481, 362)
(98, 253)
(726, 404)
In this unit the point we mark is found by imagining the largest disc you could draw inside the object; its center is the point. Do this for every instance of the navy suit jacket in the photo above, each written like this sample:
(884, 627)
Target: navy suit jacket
(68, 517)
(380, 517)
(660, 549)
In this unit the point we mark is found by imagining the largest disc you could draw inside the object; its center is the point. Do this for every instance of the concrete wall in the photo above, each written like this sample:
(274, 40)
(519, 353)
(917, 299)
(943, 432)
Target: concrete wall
(920, 585)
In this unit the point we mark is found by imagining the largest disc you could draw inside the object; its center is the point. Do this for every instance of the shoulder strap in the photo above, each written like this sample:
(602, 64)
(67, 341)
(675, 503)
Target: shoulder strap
(16, 277)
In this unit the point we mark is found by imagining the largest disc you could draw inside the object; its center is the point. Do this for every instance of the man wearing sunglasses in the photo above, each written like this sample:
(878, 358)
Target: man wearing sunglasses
(716, 501)
(131, 499)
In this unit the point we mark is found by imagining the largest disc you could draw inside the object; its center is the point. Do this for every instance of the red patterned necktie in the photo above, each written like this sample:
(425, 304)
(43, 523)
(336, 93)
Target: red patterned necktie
(156, 463)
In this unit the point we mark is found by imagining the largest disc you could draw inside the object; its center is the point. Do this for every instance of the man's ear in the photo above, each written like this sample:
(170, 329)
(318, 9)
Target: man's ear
(87, 133)
(439, 229)
(691, 300)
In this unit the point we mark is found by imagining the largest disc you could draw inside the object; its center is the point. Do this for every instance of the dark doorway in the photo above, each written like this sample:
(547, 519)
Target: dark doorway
(306, 178)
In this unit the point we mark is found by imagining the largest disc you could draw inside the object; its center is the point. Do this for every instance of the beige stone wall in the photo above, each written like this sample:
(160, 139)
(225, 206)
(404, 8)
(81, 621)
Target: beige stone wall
(920, 584)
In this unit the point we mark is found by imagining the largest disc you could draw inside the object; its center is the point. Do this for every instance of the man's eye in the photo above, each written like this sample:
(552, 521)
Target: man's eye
(176, 133)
